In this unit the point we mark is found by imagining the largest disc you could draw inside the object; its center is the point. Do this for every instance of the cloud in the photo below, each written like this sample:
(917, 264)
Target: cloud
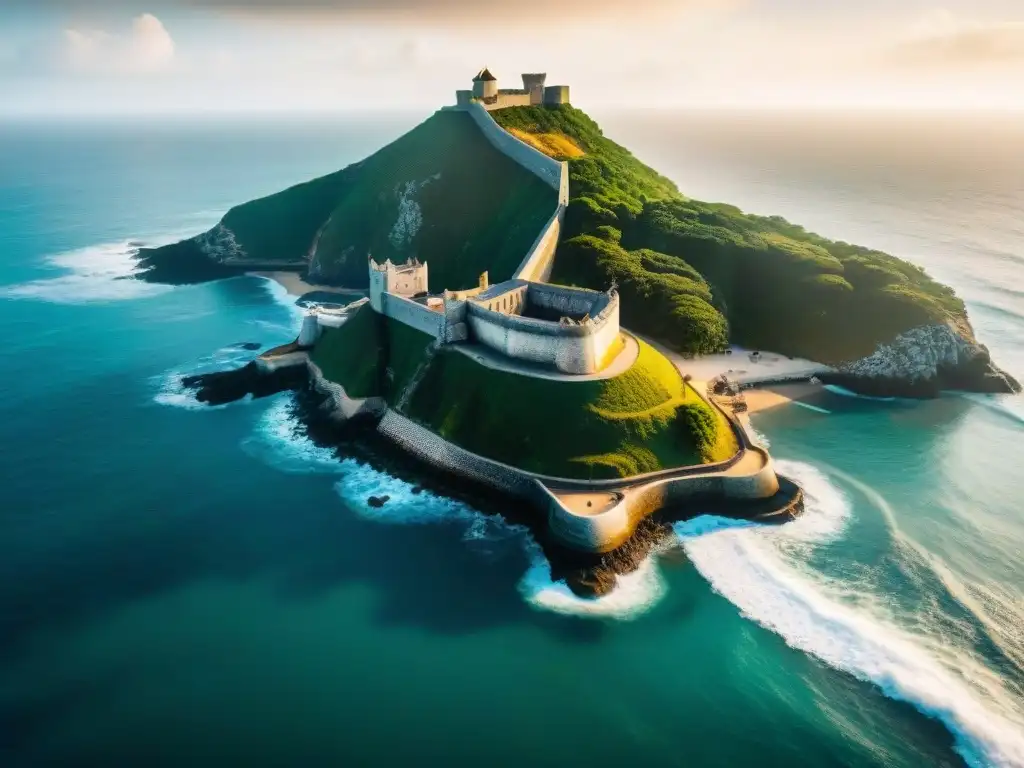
(943, 41)
(147, 48)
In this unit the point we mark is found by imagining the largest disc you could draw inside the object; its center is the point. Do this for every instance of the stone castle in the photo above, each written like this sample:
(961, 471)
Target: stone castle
(553, 327)
(527, 321)
(485, 91)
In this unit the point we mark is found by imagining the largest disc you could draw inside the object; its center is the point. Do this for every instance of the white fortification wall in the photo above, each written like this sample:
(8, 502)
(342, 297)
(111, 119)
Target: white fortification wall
(574, 349)
(415, 315)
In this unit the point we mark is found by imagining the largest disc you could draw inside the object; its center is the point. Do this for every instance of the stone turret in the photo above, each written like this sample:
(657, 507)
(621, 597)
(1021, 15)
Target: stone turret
(408, 280)
(534, 85)
(485, 85)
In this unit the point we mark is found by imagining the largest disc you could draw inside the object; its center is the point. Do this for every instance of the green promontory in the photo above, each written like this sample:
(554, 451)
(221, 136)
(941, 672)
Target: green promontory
(691, 274)
(440, 193)
(698, 275)
(643, 420)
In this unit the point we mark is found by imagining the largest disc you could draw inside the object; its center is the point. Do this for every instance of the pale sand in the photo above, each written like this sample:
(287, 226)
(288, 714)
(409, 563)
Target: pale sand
(294, 284)
(772, 396)
(740, 368)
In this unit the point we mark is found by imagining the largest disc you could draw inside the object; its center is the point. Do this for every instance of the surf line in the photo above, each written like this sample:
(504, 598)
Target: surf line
(810, 407)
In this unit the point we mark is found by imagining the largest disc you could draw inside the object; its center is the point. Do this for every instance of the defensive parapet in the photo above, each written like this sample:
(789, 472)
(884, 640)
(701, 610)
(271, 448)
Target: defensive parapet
(568, 329)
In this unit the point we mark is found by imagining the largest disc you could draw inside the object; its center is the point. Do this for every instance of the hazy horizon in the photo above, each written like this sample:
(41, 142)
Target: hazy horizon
(63, 57)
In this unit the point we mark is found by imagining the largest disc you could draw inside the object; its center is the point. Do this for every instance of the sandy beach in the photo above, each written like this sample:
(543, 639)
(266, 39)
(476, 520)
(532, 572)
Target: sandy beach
(294, 284)
(768, 367)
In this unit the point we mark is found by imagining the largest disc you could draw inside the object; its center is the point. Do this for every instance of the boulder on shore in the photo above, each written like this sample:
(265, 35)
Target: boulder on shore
(922, 363)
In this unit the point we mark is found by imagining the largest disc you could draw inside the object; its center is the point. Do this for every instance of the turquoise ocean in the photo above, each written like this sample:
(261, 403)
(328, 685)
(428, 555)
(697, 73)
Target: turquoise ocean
(187, 586)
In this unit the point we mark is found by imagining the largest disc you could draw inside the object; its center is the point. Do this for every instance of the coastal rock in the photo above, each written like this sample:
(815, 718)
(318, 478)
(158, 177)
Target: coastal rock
(220, 244)
(228, 386)
(249, 345)
(591, 583)
(923, 362)
(378, 501)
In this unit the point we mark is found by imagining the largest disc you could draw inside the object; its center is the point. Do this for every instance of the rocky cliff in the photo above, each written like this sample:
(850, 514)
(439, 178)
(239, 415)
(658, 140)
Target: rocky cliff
(923, 362)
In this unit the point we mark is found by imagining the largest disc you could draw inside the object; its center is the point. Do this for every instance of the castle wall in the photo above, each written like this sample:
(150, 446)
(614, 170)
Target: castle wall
(512, 99)
(407, 282)
(540, 259)
(569, 301)
(556, 94)
(533, 160)
(415, 315)
(438, 452)
(578, 349)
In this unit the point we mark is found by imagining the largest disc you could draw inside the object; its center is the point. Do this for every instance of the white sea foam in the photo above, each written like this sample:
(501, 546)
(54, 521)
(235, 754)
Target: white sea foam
(1007, 406)
(88, 275)
(759, 569)
(280, 295)
(171, 390)
(634, 593)
(279, 442)
(835, 389)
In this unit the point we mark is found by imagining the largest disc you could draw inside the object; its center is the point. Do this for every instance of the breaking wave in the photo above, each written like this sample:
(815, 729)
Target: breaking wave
(280, 442)
(88, 275)
(171, 391)
(761, 571)
(634, 594)
(835, 389)
(998, 405)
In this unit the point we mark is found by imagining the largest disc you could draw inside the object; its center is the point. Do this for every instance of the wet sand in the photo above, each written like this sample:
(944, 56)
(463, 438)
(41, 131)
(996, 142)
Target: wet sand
(772, 396)
(294, 284)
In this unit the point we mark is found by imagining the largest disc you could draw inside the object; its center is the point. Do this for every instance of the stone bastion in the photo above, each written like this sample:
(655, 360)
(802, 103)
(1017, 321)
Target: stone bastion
(570, 329)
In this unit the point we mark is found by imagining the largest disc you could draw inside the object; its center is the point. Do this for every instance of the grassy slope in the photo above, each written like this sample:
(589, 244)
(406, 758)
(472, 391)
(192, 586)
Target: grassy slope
(637, 422)
(359, 353)
(697, 275)
(479, 211)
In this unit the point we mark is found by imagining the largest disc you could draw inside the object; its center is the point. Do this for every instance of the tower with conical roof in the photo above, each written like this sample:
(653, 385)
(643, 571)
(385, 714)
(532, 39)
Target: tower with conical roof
(485, 86)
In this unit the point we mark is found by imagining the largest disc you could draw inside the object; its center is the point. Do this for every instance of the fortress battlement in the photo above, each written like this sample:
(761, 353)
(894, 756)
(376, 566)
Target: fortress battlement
(534, 92)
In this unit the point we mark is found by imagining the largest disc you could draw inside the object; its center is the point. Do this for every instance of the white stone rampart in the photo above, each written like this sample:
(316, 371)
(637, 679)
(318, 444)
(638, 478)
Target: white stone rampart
(601, 532)
(540, 259)
(414, 314)
(535, 161)
(611, 528)
(578, 348)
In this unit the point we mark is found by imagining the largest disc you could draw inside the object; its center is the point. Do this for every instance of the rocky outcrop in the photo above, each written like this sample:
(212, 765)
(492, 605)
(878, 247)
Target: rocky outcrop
(227, 386)
(220, 245)
(923, 362)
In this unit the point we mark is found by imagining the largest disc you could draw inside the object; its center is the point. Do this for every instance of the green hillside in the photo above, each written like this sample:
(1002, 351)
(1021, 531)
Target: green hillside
(440, 193)
(698, 275)
(371, 355)
(640, 421)
(643, 420)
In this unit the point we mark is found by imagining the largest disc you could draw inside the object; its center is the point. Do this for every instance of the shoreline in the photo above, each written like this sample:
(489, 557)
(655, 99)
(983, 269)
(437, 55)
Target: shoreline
(295, 285)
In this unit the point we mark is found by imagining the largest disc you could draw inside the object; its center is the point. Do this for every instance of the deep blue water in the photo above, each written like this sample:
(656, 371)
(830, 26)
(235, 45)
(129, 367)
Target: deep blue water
(191, 586)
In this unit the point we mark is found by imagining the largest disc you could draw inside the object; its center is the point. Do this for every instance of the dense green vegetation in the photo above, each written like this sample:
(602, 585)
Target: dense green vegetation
(641, 421)
(698, 275)
(440, 193)
(371, 355)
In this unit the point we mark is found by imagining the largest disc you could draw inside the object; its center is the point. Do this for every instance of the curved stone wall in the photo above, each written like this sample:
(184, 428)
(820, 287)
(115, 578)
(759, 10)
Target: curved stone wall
(578, 349)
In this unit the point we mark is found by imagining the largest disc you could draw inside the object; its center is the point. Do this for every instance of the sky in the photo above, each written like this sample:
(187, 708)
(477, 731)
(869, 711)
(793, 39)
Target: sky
(124, 56)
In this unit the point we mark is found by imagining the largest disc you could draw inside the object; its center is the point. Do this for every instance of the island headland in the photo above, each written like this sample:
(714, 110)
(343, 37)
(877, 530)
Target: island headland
(500, 244)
